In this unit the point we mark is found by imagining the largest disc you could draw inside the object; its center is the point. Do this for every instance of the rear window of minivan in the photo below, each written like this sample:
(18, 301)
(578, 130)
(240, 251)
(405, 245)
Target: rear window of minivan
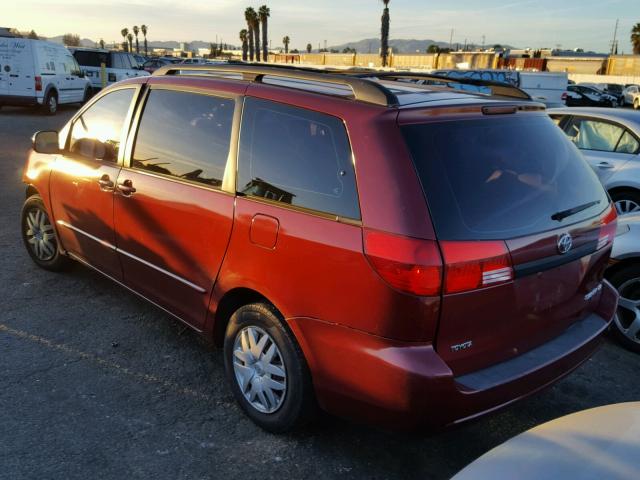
(502, 177)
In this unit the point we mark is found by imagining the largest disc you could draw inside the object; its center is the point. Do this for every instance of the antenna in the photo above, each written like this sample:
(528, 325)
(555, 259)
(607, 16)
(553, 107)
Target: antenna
(614, 42)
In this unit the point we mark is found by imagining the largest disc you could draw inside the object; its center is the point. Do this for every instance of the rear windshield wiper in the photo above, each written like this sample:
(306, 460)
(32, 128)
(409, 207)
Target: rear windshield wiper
(559, 216)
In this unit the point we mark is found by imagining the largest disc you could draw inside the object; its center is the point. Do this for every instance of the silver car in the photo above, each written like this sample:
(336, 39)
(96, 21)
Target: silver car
(610, 142)
(624, 275)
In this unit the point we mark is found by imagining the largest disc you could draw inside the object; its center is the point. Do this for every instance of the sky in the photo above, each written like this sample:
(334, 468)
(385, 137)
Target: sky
(587, 24)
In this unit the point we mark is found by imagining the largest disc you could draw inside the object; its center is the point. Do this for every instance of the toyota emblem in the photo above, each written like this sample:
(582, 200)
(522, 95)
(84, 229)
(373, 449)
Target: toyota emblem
(565, 242)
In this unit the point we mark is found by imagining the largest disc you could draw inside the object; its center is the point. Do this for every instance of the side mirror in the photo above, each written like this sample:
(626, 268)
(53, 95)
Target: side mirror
(45, 142)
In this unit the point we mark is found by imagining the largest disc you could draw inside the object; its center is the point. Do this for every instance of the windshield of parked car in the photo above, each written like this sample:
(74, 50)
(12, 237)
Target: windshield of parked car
(498, 178)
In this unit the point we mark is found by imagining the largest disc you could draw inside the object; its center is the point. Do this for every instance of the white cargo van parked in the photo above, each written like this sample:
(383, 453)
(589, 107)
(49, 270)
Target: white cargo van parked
(37, 72)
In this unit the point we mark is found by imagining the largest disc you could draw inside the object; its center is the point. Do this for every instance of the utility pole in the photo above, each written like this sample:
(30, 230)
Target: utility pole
(451, 40)
(615, 34)
(483, 38)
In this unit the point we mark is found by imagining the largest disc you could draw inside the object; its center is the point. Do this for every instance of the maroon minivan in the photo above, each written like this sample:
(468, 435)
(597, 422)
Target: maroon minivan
(386, 249)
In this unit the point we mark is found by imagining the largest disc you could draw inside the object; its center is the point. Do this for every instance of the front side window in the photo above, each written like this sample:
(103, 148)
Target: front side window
(97, 133)
(590, 134)
(298, 157)
(185, 135)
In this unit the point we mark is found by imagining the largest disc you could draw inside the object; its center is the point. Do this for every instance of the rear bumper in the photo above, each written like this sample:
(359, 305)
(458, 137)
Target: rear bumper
(408, 386)
(18, 100)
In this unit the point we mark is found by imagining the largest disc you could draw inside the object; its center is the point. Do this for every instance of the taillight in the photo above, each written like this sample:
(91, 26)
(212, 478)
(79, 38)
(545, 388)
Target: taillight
(38, 79)
(608, 228)
(473, 265)
(408, 264)
(564, 96)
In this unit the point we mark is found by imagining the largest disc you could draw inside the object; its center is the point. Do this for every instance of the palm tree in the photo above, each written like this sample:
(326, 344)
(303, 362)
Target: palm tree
(286, 41)
(124, 32)
(264, 13)
(244, 34)
(256, 34)
(136, 30)
(384, 40)
(130, 38)
(249, 13)
(635, 39)
(101, 43)
(309, 47)
(143, 29)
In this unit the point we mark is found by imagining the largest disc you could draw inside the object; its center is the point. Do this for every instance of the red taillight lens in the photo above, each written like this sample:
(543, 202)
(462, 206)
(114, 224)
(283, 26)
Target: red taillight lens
(38, 83)
(473, 265)
(608, 228)
(408, 264)
(564, 96)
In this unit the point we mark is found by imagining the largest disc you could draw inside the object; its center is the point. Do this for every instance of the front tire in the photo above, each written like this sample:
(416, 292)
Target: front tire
(626, 323)
(266, 369)
(39, 236)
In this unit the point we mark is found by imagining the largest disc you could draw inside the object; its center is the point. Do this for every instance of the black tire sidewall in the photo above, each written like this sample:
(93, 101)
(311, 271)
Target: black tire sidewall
(59, 261)
(45, 104)
(632, 195)
(619, 278)
(298, 405)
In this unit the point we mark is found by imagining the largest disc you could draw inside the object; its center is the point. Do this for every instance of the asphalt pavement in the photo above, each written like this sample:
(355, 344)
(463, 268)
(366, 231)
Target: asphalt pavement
(96, 383)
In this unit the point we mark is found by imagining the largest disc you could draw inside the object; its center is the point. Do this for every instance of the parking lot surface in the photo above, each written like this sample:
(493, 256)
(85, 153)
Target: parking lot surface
(96, 383)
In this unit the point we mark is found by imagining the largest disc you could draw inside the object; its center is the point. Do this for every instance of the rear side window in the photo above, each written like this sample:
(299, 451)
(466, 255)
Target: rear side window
(185, 135)
(298, 157)
(588, 134)
(91, 59)
(500, 178)
(97, 133)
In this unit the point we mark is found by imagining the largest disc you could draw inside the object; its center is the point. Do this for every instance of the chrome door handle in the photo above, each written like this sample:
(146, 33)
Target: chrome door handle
(126, 188)
(106, 185)
(605, 165)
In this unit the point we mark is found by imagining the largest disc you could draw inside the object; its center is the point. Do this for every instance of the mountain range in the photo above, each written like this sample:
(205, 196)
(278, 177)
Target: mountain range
(367, 45)
(372, 45)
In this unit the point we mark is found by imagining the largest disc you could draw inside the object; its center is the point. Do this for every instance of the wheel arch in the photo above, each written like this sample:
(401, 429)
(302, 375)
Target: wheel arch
(30, 191)
(231, 301)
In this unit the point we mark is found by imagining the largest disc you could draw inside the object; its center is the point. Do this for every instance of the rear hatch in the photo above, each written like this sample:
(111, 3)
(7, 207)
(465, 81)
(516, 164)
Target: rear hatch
(524, 228)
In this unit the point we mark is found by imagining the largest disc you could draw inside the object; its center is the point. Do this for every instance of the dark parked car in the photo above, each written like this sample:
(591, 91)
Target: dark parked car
(401, 254)
(585, 96)
(153, 64)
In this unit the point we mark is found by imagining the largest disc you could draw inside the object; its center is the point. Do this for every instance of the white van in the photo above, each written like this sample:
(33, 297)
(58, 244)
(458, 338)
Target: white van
(118, 66)
(37, 72)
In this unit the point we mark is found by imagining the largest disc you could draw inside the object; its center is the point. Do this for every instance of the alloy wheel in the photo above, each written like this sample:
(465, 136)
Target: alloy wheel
(627, 317)
(40, 235)
(259, 369)
(625, 207)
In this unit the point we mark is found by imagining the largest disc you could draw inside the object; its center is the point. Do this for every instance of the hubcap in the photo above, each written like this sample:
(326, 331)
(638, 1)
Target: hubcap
(259, 369)
(627, 317)
(40, 235)
(625, 207)
(53, 104)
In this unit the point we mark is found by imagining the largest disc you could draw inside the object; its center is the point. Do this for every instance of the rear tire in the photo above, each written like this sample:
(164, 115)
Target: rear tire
(261, 354)
(39, 236)
(87, 96)
(627, 317)
(626, 201)
(50, 103)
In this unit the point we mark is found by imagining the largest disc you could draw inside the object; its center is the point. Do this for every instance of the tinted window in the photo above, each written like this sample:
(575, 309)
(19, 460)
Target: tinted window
(594, 134)
(500, 178)
(185, 135)
(96, 134)
(628, 144)
(121, 60)
(298, 157)
(91, 59)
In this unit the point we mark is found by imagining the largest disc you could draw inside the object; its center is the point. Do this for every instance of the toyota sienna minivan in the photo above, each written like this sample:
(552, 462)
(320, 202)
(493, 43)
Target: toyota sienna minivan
(385, 247)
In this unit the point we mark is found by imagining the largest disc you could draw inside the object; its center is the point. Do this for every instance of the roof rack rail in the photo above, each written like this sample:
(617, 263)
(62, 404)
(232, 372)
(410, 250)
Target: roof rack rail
(497, 88)
(363, 90)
